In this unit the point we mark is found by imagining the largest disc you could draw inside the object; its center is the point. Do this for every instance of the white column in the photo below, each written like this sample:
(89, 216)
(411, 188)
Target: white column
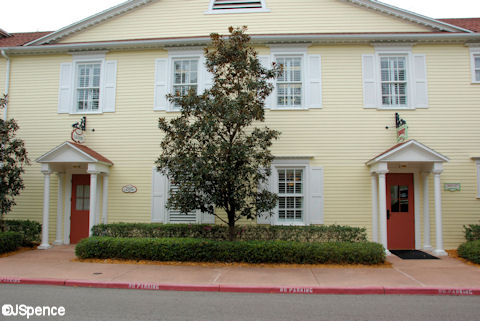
(374, 207)
(426, 213)
(105, 199)
(58, 239)
(437, 170)
(382, 195)
(46, 206)
(93, 201)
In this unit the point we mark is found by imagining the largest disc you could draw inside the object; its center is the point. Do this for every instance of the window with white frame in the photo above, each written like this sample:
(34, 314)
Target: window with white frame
(185, 75)
(476, 68)
(290, 83)
(87, 85)
(291, 197)
(393, 77)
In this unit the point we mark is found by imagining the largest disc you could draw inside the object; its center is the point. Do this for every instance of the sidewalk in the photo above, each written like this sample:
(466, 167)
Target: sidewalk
(55, 266)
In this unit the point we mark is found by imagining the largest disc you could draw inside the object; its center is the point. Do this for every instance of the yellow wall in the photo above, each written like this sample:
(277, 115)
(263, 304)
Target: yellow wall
(341, 136)
(165, 18)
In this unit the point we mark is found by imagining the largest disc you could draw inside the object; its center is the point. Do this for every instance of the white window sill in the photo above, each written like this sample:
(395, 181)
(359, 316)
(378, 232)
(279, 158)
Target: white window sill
(395, 108)
(288, 108)
(86, 112)
(290, 224)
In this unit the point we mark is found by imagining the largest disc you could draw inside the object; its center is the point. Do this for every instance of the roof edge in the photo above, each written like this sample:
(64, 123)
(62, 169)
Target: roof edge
(90, 21)
(408, 15)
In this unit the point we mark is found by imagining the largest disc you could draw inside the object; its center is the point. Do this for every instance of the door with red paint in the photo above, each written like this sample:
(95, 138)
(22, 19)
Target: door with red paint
(400, 212)
(80, 212)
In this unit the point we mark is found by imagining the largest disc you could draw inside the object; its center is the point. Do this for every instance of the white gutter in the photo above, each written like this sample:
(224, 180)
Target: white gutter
(7, 82)
(264, 39)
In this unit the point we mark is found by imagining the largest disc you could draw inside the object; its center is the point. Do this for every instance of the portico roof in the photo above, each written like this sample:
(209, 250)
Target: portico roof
(409, 151)
(70, 152)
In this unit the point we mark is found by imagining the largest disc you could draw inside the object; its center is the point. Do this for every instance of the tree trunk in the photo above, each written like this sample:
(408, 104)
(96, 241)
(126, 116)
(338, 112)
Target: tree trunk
(231, 226)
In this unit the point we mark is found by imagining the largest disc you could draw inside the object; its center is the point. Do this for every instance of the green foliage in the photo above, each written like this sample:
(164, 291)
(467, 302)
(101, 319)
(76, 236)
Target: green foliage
(323, 233)
(30, 230)
(202, 250)
(215, 150)
(13, 157)
(472, 232)
(470, 251)
(10, 241)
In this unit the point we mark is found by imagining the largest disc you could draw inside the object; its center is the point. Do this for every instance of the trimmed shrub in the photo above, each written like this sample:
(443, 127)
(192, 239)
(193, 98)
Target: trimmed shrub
(472, 232)
(10, 241)
(323, 233)
(30, 230)
(203, 250)
(470, 251)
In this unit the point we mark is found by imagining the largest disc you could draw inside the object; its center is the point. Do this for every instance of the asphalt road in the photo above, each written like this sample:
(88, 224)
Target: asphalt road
(113, 304)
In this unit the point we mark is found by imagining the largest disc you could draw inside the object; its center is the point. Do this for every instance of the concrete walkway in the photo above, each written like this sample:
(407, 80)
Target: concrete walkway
(57, 266)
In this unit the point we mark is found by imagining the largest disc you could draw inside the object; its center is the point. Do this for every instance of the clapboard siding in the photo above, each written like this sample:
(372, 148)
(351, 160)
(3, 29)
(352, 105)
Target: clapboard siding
(341, 136)
(167, 18)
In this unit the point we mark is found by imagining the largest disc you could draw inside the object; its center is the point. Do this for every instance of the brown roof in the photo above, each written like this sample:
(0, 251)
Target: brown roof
(92, 153)
(472, 24)
(21, 38)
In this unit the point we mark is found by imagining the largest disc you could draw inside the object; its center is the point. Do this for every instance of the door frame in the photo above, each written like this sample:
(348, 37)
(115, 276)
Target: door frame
(68, 200)
(417, 200)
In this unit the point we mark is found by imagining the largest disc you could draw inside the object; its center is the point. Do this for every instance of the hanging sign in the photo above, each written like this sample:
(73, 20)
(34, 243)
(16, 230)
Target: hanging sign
(129, 188)
(452, 187)
(78, 132)
(402, 129)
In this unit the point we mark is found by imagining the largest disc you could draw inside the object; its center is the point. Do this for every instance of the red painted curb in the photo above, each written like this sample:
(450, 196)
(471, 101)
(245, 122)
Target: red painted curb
(247, 289)
(433, 291)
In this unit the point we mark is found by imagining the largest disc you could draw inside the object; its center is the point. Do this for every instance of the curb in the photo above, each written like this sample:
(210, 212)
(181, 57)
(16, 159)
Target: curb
(248, 289)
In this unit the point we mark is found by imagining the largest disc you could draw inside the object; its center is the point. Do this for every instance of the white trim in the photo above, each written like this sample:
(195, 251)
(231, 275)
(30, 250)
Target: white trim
(474, 53)
(477, 163)
(407, 15)
(55, 149)
(74, 82)
(290, 53)
(90, 21)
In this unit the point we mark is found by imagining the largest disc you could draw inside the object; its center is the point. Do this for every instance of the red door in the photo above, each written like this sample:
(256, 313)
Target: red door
(400, 212)
(80, 212)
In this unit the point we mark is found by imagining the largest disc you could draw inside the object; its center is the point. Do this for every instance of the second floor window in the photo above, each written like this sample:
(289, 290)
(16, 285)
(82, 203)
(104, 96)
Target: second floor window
(88, 87)
(185, 76)
(477, 67)
(393, 72)
(289, 83)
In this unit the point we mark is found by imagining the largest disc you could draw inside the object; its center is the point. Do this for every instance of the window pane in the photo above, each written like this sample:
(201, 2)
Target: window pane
(403, 198)
(88, 86)
(393, 72)
(394, 206)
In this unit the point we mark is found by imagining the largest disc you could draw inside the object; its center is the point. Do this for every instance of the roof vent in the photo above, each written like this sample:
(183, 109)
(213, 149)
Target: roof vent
(236, 4)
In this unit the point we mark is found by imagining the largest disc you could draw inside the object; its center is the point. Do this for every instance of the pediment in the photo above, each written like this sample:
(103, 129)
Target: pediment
(69, 152)
(409, 151)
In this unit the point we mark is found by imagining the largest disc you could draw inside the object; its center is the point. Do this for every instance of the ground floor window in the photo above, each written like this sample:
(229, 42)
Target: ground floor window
(290, 194)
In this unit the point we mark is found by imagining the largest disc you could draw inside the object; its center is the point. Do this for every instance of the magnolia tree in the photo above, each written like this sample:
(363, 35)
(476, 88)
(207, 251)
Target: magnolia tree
(13, 157)
(217, 152)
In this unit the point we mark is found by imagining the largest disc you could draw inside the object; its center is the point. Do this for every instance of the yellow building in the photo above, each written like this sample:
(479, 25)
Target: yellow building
(350, 67)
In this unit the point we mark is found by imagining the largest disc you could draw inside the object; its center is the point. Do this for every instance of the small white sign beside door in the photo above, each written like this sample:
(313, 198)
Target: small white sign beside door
(129, 188)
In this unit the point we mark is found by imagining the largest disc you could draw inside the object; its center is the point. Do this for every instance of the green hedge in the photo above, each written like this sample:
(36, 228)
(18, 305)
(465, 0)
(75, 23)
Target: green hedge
(10, 241)
(202, 250)
(470, 251)
(472, 232)
(30, 230)
(324, 233)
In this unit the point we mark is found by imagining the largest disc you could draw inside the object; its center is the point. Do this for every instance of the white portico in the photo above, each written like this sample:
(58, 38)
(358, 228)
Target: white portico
(66, 160)
(419, 161)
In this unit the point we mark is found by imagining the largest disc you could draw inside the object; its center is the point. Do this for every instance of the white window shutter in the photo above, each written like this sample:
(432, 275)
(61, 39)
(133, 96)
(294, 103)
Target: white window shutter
(159, 196)
(109, 86)
(314, 83)
(207, 76)
(266, 62)
(268, 185)
(161, 85)
(316, 195)
(208, 218)
(369, 81)
(65, 99)
(420, 71)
